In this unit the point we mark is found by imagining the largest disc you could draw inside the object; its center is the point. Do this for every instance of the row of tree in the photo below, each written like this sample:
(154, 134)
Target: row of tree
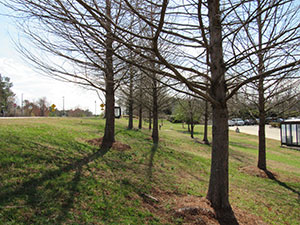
(206, 49)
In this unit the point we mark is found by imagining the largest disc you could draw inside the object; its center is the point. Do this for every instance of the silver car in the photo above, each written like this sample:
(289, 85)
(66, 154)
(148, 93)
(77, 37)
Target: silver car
(238, 122)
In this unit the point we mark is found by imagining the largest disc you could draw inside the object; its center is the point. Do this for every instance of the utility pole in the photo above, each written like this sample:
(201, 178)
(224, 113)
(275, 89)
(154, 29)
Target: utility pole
(95, 108)
(63, 105)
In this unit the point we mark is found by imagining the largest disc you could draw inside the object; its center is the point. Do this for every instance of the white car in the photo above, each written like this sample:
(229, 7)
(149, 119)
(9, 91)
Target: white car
(238, 122)
(230, 123)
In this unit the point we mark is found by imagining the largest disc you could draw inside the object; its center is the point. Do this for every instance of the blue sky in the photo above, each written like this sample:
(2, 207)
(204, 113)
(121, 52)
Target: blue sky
(28, 82)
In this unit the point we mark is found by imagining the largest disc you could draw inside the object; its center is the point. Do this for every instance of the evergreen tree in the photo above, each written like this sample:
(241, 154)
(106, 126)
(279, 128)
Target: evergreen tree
(6, 94)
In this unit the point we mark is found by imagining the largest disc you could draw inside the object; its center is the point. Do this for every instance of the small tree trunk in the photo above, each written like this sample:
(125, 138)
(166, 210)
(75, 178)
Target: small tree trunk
(140, 116)
(130, 102)
(189, 128)
(155, 136)
(150, 120)
(205, 139)
(192, 130)
(140, 105)
(182, 124)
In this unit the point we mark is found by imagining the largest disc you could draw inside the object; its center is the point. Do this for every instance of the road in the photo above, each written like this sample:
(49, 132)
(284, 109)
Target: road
(271, 132)
(28, 117)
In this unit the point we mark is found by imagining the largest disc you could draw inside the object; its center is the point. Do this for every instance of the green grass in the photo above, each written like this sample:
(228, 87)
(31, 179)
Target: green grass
(38, 185)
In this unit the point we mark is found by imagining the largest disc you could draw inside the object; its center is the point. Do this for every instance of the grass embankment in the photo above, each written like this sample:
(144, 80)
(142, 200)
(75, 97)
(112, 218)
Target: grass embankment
(38, 185)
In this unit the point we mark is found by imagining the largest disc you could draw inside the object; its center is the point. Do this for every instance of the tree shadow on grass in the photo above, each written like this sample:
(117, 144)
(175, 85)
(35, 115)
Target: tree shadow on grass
(272, 177)
(31, 190)
(69, 203)
(151, 161)
(187, 132)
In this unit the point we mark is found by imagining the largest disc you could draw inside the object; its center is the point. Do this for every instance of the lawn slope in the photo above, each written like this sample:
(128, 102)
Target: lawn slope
(50, 174)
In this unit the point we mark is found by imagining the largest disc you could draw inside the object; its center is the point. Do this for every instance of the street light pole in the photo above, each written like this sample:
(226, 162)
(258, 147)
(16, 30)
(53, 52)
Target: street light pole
(22, 110)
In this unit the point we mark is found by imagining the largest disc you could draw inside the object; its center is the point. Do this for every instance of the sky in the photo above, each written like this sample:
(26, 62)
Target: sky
(31, 84)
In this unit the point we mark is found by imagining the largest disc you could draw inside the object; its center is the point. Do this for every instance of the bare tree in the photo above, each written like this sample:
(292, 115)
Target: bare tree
(274, 35)
(75, 44)
(198, 35)
(201, 34)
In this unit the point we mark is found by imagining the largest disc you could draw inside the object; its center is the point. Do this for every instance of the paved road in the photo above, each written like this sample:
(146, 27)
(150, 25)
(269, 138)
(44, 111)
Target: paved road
(271, 132)
(28, 117)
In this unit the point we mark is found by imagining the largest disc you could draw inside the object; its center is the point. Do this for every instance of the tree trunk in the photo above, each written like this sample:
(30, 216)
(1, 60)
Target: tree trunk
(218, 182)
(262, 164)
(150, 120)
(140, 116)
(109, 132)
(189, 128)
(130, 100)
(140, 106)
(192, 130)
(205, 139)
(155, 136)
(261, 101)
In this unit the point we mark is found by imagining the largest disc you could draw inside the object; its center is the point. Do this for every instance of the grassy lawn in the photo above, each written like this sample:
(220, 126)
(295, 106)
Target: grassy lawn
(38, 185)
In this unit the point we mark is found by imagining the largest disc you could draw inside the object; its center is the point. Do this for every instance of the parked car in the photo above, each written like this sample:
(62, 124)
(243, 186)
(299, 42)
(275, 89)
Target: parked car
(231, 123)
(279, 120)
(249, 122)
(238, 122)
(270, 120)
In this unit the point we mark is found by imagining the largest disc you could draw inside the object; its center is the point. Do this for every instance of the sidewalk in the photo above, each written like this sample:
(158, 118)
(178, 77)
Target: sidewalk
(271, 132)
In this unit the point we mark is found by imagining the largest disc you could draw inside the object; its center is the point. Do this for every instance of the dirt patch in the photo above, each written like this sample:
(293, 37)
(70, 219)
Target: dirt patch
(117, 145)
(171, 207)
(255, 171)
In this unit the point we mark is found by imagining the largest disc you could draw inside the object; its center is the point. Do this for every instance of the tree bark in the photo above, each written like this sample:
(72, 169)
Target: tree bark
(150, 119)
(140, 106)
(218, 182)
(262, 164)
(261, 101)
(109, 132)
(130, 100)
(205, 139)
(140, 116)
(155, 136)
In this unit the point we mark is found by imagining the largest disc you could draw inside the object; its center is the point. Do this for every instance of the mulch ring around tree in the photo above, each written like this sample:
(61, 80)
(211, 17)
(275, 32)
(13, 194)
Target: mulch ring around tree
(190, 209)
(117, 145)
(255, 171)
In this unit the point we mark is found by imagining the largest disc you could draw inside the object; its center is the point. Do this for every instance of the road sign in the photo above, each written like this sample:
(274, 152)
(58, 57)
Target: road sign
(102, 106)
(53, 107)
